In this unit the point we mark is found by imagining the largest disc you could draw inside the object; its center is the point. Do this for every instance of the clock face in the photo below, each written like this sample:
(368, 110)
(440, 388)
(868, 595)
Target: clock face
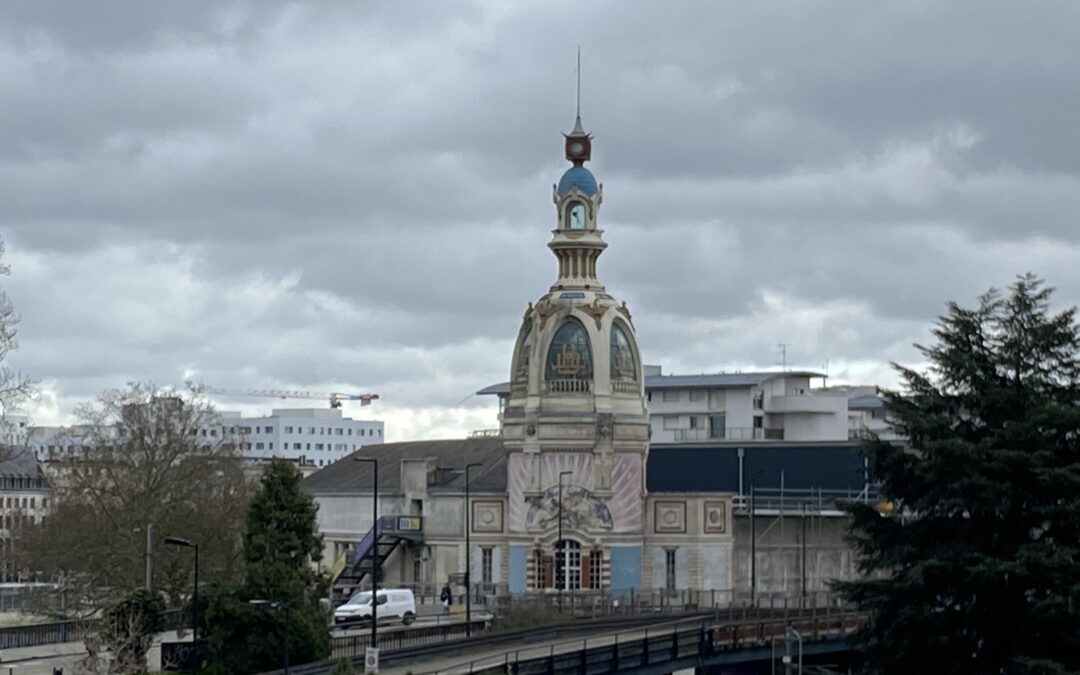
(577, 147)
(576, 220)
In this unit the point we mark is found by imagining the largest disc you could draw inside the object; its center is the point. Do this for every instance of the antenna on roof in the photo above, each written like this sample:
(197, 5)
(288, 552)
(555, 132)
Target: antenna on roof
(782, 346)
(577, 119)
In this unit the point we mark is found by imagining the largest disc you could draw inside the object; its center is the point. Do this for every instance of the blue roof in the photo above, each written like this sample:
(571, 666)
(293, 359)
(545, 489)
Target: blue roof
(579, 177)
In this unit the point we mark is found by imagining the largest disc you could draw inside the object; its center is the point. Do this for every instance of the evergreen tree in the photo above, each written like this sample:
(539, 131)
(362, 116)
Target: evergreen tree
(975, 568)
(281, 545)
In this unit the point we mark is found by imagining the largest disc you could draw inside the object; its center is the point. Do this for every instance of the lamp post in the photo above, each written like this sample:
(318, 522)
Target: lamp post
(561, 546)
(753, 542)
(184, 543)
(277, 605)
(374, 546)
(468, 554)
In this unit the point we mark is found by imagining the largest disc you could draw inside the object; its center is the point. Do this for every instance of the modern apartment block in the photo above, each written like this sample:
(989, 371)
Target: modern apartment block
(760, 406)
(743, 407)
(312, 437)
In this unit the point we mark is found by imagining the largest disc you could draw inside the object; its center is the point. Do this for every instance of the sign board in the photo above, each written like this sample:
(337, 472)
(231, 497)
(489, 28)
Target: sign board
(410, 524)
(371, 660)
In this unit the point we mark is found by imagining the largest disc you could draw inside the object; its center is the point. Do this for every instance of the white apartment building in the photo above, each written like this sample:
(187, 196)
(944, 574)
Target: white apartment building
(753, 406)
(761, 406)
(312, 437)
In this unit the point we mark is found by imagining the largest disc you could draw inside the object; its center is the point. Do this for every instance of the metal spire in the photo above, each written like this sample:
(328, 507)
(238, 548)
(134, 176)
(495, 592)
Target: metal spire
(577, 120)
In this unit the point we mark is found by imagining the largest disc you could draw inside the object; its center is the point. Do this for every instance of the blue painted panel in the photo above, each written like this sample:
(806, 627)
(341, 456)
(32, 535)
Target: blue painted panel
(625, 567)
(518, 557)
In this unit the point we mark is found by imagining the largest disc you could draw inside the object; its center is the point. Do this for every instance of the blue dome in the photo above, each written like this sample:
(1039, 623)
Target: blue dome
(579, 177)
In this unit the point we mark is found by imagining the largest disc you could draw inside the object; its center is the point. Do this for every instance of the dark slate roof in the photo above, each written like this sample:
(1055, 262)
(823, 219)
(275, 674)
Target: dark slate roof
(710, 468)
(19, 462)
(865, 402)
(703, 381)
(715, 380)
(500, 388)
(348, 475)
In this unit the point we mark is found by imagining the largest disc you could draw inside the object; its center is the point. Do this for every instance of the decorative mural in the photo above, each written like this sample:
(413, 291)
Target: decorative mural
(581, 510)
(584, 510)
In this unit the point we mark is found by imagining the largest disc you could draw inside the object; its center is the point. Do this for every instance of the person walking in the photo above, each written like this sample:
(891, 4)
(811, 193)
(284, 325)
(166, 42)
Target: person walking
(446, 598)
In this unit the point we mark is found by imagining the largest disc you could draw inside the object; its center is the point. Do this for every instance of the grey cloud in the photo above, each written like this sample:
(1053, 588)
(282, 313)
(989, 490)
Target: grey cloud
(343, 195)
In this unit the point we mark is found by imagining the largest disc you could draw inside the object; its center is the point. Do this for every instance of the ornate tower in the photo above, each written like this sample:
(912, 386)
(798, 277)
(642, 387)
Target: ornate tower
(575, 423)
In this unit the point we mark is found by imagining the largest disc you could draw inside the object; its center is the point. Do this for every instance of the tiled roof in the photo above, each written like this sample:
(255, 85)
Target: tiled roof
(348, 475)
(18, 462)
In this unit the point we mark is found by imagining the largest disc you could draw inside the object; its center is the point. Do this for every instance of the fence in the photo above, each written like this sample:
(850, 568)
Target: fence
(74, 630)
(354, 645)
(605, 603)
(787, 501)
(698, 642)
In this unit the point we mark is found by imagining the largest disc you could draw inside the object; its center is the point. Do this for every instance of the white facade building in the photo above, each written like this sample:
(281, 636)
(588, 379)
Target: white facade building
(309, 436)
(769, 406)
(315, 436)
(742, 407)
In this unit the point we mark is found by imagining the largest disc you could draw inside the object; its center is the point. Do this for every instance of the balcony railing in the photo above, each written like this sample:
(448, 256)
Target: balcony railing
(569, 386)
(621, 387)
(729, 434)
(775, 501)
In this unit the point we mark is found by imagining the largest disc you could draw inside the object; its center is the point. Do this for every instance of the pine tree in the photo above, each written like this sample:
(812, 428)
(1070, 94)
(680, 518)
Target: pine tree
(281, 545)
(976, 568)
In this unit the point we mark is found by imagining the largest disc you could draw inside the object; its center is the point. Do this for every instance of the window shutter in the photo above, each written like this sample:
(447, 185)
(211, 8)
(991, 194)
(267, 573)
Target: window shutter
(549, 571)
(586, 577)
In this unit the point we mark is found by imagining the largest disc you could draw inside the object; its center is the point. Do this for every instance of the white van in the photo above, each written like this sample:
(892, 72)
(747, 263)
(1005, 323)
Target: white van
(394, 604)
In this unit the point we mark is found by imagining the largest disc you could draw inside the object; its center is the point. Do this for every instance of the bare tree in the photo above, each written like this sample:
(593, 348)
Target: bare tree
(148, 457)
(15, 388)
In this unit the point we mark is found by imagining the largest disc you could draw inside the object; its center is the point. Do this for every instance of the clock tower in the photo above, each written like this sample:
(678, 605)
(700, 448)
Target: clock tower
(575, 423)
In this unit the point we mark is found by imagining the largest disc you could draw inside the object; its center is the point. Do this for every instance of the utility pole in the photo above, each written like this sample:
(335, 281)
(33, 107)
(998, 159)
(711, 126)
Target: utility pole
(468, 553)
(149, 558)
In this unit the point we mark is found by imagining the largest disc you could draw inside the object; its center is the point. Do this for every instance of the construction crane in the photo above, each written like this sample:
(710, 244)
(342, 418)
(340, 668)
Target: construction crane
(334, 398)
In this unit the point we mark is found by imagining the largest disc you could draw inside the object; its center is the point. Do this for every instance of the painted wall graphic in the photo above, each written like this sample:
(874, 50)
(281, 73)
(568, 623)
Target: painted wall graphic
(583, 510)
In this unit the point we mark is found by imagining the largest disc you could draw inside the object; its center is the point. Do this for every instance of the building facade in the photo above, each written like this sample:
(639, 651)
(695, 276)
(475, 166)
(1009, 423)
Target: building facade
(24, 498)
(605, 476)
(311, 437)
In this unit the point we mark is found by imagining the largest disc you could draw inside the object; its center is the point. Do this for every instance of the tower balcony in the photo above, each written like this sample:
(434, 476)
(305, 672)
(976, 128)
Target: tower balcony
(568, 386)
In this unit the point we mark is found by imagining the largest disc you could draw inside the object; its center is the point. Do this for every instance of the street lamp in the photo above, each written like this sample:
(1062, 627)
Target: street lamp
(272, 604)
(753, 541)
(561, 565)
(468, 554)
(374, 546)
(184, 543)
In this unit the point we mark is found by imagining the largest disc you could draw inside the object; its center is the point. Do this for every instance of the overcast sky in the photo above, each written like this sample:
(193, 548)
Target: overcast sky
(356, 196)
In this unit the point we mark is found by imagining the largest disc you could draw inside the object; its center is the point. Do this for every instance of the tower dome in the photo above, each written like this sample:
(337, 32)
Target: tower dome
(577, 177)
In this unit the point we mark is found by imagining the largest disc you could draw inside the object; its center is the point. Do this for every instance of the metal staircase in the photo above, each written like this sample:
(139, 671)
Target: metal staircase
(354, 566)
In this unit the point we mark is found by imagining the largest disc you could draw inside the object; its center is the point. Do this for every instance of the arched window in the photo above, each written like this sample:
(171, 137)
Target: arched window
(569, 356)
(543, 569)
(521, 365)
(568, 566)
(623, 364)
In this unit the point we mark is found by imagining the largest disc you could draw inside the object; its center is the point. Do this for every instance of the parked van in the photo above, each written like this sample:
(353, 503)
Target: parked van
(394, 604)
